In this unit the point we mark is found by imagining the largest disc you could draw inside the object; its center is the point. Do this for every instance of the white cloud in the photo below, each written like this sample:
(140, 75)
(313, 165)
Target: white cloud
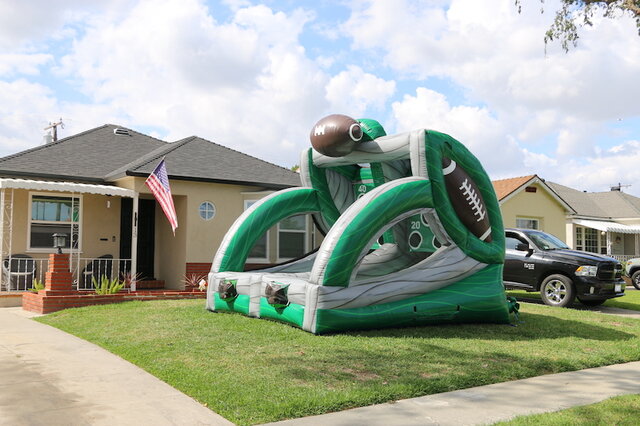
(246, 83)
(481, 133)
(23, 114)
(616, 165)
(16, 63)
(496, 55)
(24, 23)
(353, 91)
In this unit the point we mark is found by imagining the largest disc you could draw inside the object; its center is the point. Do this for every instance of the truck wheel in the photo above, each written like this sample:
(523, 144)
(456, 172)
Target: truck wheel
(592, 302)
(557, 290)
(635, 279)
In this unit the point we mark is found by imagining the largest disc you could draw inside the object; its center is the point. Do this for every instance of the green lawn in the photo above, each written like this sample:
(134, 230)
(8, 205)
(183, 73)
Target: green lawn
(621, 410)
(631, 300)
(253, 371)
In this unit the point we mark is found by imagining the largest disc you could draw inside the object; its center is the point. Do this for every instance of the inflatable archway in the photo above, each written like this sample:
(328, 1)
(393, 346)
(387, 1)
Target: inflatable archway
(413, 235)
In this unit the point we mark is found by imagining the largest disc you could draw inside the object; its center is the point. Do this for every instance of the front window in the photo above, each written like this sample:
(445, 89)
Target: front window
(527, 223)
(546, 241)
(292, 237)
(260, 251)
(579, 241)
(207, 210)
(591, 240)
(50, 215)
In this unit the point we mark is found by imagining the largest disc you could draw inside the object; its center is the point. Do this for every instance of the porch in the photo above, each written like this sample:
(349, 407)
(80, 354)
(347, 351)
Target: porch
(613, 239)
(89, 216)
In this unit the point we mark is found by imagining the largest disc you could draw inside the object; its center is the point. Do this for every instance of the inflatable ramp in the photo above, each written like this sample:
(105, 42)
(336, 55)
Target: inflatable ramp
(413, 235)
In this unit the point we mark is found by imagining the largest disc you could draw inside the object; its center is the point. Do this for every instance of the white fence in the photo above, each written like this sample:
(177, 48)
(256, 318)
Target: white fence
(20, 271)
(623, 257)
(94, 269)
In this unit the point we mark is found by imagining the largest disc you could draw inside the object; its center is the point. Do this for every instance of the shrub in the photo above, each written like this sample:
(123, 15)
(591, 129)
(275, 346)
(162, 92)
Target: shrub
(37, 285)
(107, 286)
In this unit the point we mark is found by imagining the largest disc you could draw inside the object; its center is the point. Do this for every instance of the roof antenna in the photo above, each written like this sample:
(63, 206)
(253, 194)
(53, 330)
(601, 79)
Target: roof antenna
(619, 187)
(54, 126)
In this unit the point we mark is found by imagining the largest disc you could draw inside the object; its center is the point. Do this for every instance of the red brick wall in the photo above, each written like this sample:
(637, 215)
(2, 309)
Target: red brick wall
(198, 268)
(44, 303)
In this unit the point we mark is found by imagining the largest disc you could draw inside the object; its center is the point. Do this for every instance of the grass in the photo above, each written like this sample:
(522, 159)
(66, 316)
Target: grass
(631, 299)
(254, 371)
(620, 410)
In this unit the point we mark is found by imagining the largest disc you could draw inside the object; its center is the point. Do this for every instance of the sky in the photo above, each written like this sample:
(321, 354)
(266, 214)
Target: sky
(256, 77)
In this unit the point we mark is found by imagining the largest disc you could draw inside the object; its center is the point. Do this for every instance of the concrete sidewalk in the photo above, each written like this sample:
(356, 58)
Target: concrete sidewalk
(48, 377)
(492, 403)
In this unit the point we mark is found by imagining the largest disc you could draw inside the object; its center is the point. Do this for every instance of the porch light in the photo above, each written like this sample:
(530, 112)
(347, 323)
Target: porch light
(59, 241)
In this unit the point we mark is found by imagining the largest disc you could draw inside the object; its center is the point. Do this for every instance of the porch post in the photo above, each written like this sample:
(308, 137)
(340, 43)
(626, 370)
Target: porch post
(637, 247)
(134, 240)
(2, 192)
(608, 243)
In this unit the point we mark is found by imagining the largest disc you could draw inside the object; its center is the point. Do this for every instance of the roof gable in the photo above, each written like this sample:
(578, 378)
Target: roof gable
(505, 187)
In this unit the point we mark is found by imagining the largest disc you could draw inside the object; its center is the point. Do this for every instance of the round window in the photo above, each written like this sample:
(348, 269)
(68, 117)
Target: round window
(207, 210)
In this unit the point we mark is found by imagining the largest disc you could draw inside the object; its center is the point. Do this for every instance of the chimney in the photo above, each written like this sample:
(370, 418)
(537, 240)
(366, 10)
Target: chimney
(47, 138)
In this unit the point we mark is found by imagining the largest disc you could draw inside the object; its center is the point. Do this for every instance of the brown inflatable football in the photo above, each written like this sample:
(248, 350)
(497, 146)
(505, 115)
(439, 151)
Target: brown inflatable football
(466, 200)
(335, 135)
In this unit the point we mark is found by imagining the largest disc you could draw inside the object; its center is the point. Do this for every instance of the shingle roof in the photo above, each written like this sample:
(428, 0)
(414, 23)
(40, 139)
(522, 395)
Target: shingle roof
(86, 156)
(611, 204)
(504, 187)
(99, 155)
(199, 159)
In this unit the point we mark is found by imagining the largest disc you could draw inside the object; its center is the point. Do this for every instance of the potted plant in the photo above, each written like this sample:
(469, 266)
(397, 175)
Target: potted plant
(192, 281)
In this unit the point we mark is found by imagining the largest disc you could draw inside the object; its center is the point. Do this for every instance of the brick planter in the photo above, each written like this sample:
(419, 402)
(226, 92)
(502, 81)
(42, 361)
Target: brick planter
(44, 303)
(59, 294)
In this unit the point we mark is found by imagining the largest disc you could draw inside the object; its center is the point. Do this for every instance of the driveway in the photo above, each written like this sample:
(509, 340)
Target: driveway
(48, 377)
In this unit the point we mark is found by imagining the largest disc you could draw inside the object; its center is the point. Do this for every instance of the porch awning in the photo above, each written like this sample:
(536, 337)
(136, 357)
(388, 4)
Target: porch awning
(608, 226)
(81, 188)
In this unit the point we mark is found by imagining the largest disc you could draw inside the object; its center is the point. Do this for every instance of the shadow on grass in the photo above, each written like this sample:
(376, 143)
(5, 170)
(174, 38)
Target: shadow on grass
(530, 327)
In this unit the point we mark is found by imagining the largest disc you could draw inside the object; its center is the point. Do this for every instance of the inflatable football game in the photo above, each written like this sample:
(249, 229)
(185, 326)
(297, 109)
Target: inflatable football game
(413, 236)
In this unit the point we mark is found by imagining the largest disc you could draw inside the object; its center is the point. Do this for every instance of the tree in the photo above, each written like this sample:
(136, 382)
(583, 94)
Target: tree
(574, 14)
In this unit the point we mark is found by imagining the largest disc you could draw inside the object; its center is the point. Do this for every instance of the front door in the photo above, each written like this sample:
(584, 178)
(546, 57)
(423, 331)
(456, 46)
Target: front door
(146, 235)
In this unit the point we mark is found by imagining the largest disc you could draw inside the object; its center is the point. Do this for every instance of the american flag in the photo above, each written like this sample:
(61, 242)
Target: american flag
(158, 183)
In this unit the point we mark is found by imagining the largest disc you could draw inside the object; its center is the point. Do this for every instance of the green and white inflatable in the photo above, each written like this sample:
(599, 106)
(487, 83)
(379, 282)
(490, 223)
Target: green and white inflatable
(404, 244)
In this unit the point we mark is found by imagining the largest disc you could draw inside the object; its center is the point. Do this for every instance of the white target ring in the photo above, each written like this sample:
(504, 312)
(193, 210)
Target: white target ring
(415, 242)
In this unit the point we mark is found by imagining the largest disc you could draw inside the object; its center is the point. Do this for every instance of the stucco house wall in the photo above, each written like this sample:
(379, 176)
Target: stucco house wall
(539, 205)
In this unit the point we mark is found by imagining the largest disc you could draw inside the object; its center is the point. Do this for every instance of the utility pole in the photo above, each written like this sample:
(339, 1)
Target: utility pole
(54, 126)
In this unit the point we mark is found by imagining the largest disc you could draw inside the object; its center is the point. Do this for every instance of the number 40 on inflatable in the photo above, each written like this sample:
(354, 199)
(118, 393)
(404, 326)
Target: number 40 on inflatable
(413, 236)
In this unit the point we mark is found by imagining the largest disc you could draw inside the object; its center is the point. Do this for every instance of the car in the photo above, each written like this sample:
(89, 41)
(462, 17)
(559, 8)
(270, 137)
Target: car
(537, 261)
(633, 270)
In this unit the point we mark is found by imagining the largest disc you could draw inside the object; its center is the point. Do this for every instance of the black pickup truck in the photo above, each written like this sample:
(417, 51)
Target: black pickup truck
(537, 261)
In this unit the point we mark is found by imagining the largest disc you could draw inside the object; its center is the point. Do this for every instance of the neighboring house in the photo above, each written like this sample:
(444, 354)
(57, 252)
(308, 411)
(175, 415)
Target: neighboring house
(598, 222)
(90, 187)
(603, 222)
(529, 202)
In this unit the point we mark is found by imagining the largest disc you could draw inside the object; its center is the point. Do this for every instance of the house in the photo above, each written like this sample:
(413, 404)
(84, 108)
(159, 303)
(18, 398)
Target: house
(598, 222)
(603, 222)
(90, 188)
(529, 202)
